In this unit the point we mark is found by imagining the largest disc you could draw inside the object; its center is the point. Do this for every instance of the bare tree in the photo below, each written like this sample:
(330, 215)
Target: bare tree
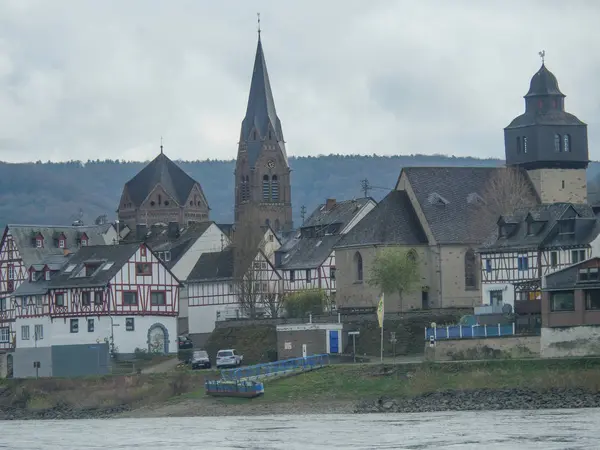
(508, 190)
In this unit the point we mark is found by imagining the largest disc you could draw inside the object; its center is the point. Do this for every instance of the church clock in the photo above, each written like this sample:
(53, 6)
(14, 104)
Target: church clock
(271, 164)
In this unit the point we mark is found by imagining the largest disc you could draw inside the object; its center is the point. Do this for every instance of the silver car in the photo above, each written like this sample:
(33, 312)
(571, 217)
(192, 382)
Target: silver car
(229, 358)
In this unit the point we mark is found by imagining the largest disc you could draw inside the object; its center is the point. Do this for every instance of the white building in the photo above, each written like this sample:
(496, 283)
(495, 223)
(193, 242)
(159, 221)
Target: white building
(308, 260)
(530, 244)
(119, 294)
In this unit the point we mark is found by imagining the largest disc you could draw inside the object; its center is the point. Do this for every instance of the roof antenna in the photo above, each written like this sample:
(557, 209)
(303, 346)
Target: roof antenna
(258, 17)
(542, 55)
(161, 146)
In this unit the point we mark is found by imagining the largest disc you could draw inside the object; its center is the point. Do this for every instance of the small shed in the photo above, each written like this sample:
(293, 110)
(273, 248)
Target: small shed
(301, 340)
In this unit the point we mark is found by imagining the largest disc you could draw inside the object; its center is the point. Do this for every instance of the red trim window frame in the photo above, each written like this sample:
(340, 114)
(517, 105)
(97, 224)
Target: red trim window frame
(135, 293)
(62, 243)
(39, 242)
(86, 298)
(56, 294)
(140, 273)
(143, 251)
(84, 240)
(163, 292)
(98, 298)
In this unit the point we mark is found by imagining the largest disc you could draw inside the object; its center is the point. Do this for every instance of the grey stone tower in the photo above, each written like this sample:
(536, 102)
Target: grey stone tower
(262, 172)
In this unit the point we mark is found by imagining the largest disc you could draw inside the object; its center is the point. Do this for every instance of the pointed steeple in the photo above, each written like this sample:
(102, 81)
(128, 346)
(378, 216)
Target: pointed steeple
(261, 115)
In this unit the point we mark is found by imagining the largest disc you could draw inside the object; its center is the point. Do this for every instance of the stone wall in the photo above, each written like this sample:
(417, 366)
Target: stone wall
(570, 341)
(484, 348)
(560, 185)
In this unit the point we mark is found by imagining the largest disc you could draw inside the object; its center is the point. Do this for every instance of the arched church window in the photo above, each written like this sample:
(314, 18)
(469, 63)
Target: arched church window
(159, 200)
(470, 270)
(277, 225)
(274, 188)
(266, 187)
(358, 265)
(557, 146)
(567, 143)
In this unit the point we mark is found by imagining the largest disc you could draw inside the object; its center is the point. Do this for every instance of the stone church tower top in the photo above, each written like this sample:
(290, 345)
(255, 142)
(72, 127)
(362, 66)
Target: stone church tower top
(262, 172)
(550, 143)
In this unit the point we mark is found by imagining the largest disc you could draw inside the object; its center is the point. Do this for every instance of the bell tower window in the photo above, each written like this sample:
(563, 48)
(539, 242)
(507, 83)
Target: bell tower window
(524, 144)
(567, 143)
(557, 146)
(274, 188)
(266, 187)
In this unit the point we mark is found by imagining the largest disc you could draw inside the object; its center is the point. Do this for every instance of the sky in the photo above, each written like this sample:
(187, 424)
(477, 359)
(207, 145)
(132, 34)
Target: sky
(84, 79)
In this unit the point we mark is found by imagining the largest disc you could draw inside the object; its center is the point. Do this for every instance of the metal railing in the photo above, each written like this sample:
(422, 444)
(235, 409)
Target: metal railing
(488, 309)
(276, 368)
(470, 331)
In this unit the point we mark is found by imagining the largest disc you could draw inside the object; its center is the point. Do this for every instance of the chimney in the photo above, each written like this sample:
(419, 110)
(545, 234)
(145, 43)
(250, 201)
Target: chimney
(173, 230)
(141, 231)
(329, 204)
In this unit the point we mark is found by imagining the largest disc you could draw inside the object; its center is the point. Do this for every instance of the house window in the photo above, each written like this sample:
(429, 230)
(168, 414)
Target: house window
(274, 188)
(129, 324)
(143, 251)
(592, 299)
(59, 299)
(266, 187)
(90, 325)
(358, 265)
(557, 146)
(47, 275)
(143, 269)
(11, 272)
(496, 298)
(130, 298)
(566, 226)
(522, 263)
(4, 334)
(563, 184)
(158, 299)
(470, 270)
(270, 236)
(61, 243)
(562, 301)
(98, 297)
(39, 332)
(39, 242)
(332, 273)
(488, 265)
(84, 242)
(577, 256)
(167, 256)
(74, 325)
(567, 143)
(307, 275)
(588, 275)
(2, 304)
(292, 276)
(25, 332)
(86, 299)
(553, 259)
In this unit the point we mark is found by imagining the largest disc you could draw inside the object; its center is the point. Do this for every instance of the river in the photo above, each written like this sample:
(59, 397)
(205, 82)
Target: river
(544, 429)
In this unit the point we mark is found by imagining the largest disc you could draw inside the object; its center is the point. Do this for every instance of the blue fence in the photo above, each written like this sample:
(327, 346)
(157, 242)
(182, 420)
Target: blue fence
(472, 331)
(276, 368)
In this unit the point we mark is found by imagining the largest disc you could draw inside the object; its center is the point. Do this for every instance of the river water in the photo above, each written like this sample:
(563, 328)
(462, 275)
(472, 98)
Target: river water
(514, 430)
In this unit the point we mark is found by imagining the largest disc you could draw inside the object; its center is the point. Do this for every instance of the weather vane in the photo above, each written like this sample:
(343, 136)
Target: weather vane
(161, 145)
(258, 17)
(542, 55)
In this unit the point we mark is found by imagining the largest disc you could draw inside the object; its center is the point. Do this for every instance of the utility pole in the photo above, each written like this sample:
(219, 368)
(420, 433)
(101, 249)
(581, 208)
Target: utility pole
(365, 186)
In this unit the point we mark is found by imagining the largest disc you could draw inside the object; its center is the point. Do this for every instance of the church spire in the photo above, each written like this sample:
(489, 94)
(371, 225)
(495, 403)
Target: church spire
(261, 116)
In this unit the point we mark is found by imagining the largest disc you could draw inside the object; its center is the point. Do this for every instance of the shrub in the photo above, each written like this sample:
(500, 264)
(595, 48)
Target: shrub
(302, 303)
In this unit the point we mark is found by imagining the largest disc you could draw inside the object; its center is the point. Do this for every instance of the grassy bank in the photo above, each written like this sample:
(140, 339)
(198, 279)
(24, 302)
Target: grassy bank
(181, 393)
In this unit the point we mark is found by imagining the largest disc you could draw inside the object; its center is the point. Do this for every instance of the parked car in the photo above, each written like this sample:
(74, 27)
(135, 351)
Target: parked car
(200, 360)
(184, 342)
(229, 358)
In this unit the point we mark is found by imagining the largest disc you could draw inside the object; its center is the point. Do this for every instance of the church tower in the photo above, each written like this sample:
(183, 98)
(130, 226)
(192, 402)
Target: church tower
(549, 143)
(262, 172)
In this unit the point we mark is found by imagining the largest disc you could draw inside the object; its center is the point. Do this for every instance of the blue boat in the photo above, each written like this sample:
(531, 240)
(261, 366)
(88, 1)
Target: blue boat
(242, 389)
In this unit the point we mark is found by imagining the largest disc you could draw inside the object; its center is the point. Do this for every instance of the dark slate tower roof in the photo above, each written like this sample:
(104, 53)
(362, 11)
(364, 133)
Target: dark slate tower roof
(261, 112)
(543, 83)
(165, 172)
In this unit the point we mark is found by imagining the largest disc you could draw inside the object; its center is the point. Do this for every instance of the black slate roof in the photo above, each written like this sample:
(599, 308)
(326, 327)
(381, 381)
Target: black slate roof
(543, 83)
(309, 253)
(546, 216)
(444, 195)
(392, 221)
(341, 213)
(553, 117)
(213, 266)
(102, 254)
(161, 170)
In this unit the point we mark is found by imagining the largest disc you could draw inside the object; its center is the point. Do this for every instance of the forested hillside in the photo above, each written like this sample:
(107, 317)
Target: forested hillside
(55, 193)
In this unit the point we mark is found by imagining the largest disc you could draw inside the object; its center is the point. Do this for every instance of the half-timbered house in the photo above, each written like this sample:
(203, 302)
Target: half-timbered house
(24, 246)
(307, 261)
(532, 243)
(120, 294)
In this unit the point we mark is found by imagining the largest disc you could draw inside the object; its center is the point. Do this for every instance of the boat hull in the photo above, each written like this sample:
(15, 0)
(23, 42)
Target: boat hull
(244, 389)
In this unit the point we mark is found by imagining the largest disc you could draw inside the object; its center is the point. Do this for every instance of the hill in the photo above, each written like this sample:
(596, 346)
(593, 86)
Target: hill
(55, 193)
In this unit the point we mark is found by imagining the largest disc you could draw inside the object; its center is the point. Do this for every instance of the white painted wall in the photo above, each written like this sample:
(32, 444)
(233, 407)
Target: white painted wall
(508, 293)
(57, 332)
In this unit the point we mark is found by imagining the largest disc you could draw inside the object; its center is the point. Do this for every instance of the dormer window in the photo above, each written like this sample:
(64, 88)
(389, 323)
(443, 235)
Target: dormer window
(47, 275)
(62, 243)
(566, 226)
(84, 242)
(39, 242)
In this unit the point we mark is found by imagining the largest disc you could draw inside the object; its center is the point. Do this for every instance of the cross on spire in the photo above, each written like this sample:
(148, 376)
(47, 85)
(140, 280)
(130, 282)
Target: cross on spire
(258, 18)
(542, 55)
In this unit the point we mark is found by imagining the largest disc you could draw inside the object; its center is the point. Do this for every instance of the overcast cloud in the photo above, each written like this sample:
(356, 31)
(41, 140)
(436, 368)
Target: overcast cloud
(88, 79)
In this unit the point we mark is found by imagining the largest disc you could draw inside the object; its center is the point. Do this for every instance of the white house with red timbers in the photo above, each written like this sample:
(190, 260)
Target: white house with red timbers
(119, 294)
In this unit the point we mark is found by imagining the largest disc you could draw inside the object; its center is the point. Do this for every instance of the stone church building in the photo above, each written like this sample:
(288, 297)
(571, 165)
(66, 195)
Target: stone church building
(433, 211)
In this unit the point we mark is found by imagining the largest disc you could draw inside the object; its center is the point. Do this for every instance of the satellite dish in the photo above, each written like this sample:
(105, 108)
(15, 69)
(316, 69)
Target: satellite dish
(433, 325)
(506, 308)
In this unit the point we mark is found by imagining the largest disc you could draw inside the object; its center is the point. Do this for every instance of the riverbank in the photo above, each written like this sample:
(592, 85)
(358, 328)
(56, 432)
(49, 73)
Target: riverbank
(478, 385)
